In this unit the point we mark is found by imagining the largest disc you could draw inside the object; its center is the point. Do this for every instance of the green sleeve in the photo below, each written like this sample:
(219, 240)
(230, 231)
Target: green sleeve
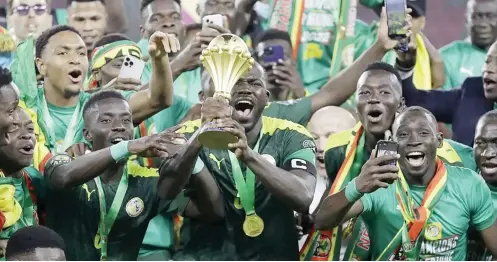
(333, 159)
(171, 116)
(480, 203)
(182, 108)
(306, 154)
(465, 153)
(451, 66)
(37, 181)
(297, 111)
(296, 140)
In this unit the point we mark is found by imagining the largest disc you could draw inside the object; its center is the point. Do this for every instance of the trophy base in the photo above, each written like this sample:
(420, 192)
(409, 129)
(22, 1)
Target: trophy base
(216, 138)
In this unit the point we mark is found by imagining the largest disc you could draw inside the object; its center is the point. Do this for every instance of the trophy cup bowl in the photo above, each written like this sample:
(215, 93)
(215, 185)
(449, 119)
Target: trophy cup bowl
(226, 59)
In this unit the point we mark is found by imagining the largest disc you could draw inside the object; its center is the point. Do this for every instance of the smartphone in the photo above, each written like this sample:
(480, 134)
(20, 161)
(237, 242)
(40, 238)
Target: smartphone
(384, 147)
(396, 19)
(213, 19)
(273, 54)
(132, 67)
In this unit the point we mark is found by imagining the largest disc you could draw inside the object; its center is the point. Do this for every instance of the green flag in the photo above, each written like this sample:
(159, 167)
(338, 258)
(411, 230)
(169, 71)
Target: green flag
(24, 72)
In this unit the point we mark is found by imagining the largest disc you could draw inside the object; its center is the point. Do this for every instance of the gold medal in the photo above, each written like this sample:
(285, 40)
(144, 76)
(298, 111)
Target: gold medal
(253, 225)
(237, 203)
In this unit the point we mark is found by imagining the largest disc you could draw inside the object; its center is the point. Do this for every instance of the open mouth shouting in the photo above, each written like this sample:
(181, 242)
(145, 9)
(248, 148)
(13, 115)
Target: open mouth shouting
(116, 139)
(374, 115)
(415, 158)
(27, 149)
(243, 108)
(76, 76)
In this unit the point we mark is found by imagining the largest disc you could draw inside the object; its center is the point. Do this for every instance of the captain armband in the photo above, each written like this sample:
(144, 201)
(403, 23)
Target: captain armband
(56, 161)
(299, 164)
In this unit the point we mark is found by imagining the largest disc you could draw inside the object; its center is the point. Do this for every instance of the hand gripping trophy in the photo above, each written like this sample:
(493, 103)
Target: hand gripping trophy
(226, 59)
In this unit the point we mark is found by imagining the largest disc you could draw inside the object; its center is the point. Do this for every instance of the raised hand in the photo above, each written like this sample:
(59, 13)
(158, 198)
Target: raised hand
(161, 44)
(285, 75)
(157, 145)
(383, 38)
(213, 108)
(376, 174)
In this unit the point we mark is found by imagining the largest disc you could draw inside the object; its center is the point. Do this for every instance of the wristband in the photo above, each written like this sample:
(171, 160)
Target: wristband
(120, 151)
(199, 165)
(351, 192)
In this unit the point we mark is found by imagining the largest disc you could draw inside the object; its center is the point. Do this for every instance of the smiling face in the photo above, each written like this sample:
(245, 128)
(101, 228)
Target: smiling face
(485, 148)
(18, 154)
(64, 63)
(482, 22)
(164, 16)
(416, 133)
(378, 98)
(109, 122)
(490, 73)
(90, 19)
(249, 97)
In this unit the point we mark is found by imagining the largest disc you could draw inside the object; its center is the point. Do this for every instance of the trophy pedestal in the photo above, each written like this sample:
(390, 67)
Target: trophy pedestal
(216, 138)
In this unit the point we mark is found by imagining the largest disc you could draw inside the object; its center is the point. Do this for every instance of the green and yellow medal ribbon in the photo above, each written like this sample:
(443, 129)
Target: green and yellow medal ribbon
(253, 224)
(107, 219)
(406, 244)
(325, 245)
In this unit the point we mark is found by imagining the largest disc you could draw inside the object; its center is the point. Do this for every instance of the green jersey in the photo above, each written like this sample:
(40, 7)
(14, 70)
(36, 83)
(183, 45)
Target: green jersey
(461, 60)
(297, 111)
(476, 247)
(19, 209)
(466, 201)
(75, 216)
(63, 126)
(281, 142)
(451, 152)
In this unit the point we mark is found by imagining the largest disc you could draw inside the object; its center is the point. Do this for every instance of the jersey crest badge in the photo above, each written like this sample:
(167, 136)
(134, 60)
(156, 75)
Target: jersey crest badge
(269, 158)
(135, 207)
(433, 231)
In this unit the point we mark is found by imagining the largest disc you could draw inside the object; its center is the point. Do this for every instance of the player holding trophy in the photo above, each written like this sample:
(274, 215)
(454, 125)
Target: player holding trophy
(264, 167)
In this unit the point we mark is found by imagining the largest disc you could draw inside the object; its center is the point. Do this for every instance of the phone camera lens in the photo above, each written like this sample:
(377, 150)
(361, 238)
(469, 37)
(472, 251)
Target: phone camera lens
(126, 63)
(131, 63)
(127, 59)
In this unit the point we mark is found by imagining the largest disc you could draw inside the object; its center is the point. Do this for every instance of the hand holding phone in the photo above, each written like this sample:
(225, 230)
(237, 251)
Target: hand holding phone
(397, 21)
(216, 19)
(132, 67)
(272, 54)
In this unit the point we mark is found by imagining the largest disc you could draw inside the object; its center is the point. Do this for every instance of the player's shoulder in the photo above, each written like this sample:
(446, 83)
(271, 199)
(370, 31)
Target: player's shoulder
(463, 176)
(340, 139)
(138, 171)
(455, 47)
(190, 126)
(276, 126)
(450, 150)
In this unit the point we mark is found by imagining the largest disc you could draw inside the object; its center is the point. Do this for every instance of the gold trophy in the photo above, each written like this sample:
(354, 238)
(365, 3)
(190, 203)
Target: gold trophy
(226, 59)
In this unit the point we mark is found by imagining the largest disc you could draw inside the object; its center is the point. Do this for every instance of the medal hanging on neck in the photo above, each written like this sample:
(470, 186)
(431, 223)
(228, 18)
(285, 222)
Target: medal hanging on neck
(415, 219)
(50, 128)
(253, 225)
(107, 219)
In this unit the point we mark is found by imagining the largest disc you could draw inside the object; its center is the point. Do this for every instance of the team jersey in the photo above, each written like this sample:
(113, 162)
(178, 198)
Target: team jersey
(476, 246)
(281, 142)
(461, 60)
(466, 201)
(451, 152)
(75, 213)
(297, 111)
(18, 199)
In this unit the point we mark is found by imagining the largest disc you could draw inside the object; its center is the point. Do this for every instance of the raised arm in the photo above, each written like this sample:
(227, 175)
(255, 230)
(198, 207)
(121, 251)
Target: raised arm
(338, 89)
(159, 95)
(63, 172)
(346, 204)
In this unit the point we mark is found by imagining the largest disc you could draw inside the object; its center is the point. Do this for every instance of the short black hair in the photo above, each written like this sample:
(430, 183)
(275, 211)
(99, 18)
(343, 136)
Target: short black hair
(27, 239)
(42, 40)
(379, 65)
(145, 3)
(271, 34)
(418, 109)
(5, 76)
(490, 115)
(110, 38)
(99, 96)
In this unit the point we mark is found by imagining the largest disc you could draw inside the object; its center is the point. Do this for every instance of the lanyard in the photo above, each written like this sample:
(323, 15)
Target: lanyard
(245, 187)
(108, 219)
(70, 132)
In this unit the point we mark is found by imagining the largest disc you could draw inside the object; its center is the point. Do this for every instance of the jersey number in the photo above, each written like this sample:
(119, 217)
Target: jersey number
(298, 164)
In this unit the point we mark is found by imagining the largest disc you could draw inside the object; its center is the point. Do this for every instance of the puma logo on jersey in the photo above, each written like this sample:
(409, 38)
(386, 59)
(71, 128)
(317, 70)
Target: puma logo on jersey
(466, 71)
(88, 192)
(218, 162)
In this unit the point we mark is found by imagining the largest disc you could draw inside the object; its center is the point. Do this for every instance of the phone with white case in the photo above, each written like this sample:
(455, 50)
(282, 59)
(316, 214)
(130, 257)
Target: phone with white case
(132, 67)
